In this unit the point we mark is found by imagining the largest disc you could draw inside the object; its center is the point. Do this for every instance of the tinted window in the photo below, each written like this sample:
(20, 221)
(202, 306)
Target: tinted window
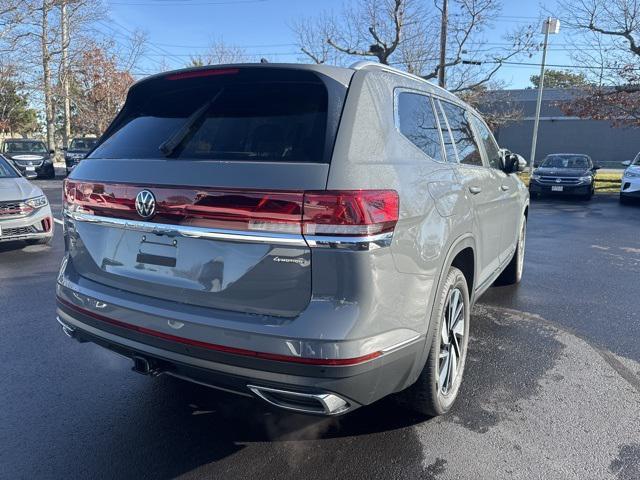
(418, 123)
(489, 143)
(24, 147)
(82, 144)
(449, 145)
(460, 126)
(255, 121)
(567, 161)
(5, 170)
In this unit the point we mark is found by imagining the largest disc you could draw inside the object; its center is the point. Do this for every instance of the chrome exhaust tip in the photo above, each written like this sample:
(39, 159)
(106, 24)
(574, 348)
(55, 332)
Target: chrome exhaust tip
(145, 367)
(68, 330)
(310, 403)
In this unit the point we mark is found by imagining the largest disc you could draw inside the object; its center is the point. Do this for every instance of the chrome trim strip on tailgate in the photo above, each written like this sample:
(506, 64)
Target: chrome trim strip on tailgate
(190, 232)
(360, 243)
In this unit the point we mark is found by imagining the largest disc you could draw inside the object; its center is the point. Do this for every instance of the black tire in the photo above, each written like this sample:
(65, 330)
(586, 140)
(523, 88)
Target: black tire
(624, 200)
(534, 195)
(426, 396)
(512, 274)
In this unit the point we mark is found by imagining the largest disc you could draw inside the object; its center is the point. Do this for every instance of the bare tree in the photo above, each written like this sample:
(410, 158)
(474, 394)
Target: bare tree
(608, 32)
(219, 52)
(404, 33)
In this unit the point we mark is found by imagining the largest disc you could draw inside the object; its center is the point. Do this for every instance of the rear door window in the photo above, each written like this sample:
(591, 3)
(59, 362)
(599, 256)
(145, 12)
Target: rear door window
(417, 122)
(468, 152)
(238, 118)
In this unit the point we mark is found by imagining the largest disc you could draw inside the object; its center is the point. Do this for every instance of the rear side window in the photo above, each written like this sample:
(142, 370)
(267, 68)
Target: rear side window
(490, 146)
(417, 122)
(462, 133)
(222, 117)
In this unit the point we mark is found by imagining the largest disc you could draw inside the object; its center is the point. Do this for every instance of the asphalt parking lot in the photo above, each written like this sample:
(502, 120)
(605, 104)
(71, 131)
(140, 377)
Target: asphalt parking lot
(552, 388)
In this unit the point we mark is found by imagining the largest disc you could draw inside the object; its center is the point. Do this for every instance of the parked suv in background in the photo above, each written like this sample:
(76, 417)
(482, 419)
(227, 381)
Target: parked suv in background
(312, 235)
(630, 187)
(77, 150)
(30, 156)
(565, 174)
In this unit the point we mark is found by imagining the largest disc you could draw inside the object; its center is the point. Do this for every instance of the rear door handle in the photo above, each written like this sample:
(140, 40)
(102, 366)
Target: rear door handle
(475, 190)
(504, 188)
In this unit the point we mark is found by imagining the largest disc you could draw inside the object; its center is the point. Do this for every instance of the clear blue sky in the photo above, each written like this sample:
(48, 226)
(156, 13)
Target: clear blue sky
(178, 28)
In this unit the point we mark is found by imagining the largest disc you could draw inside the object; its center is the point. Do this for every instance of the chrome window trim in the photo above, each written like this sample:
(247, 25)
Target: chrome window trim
(360, 243)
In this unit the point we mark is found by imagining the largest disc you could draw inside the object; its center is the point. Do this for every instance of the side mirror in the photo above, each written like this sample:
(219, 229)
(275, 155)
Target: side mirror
(52, 152)
(514, 163)
(596, 167)
(626, 163)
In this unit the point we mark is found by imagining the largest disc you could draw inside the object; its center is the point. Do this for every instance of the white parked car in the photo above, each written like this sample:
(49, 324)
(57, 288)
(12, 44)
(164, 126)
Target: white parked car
(25, 213)
(630, 187)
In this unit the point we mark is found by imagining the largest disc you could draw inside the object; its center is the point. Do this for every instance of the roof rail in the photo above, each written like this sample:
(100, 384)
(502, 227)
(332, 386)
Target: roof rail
(365, 64)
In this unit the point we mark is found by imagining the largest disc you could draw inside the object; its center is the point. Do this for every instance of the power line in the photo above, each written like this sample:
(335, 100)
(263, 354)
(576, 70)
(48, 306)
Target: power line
(174, 3)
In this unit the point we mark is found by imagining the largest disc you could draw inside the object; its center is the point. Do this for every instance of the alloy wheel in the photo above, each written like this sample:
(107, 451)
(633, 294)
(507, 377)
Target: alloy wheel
(452, 341)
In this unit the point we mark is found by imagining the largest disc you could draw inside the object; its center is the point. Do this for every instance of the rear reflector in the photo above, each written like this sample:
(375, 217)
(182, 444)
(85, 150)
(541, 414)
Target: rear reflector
(315, 213)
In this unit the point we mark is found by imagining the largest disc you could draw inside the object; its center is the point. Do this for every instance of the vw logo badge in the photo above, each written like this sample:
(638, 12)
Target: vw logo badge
(558, 180)
(145, 204)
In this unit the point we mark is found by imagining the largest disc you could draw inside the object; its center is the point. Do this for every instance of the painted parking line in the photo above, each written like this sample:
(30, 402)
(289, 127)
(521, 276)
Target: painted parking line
(58, 221)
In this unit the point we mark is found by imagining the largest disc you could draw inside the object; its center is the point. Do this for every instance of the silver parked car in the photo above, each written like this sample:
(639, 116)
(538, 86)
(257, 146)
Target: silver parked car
(25, 213)
(311, 235)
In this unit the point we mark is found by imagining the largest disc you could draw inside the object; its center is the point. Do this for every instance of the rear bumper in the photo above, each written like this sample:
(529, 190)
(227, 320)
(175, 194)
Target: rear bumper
(33, 227)
(358, 380)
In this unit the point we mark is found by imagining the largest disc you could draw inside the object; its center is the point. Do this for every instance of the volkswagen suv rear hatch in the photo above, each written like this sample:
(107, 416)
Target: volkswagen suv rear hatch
(195, 192)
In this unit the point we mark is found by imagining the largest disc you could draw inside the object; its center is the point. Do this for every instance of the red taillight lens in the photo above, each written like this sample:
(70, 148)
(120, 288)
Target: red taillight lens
(344, 212)
(350, 212)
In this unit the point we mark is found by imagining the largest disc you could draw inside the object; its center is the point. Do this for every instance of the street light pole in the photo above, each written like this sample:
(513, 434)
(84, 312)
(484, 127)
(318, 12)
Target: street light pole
(550, 25)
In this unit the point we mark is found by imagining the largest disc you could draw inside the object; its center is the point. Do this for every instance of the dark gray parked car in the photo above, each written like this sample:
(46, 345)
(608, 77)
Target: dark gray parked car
(311, 235)
(30, 156)
(565, 174)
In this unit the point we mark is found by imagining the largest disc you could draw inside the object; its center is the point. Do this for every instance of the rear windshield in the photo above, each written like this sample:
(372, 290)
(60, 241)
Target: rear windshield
(24, 147)
(82, 144)
(225, 117)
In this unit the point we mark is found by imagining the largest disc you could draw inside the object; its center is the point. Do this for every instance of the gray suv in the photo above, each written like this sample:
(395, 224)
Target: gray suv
(310, 235)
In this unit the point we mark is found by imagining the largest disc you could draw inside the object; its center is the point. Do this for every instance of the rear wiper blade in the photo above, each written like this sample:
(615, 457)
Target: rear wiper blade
(168, 147)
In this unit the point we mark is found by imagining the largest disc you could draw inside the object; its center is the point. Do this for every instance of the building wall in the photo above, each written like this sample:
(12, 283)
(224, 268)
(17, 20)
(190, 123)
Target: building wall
(607, 145)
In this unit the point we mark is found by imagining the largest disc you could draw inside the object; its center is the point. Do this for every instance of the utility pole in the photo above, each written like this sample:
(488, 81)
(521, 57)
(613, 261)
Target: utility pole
(443, 43)
(64, 20)
(550, 25)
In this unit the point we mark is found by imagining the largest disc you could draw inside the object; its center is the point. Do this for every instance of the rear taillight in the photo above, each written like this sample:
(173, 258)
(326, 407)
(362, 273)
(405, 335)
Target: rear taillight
(350, 212)
(353, 213)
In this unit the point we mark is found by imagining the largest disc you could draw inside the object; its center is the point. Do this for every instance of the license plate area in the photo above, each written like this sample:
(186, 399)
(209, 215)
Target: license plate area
(557, 188)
